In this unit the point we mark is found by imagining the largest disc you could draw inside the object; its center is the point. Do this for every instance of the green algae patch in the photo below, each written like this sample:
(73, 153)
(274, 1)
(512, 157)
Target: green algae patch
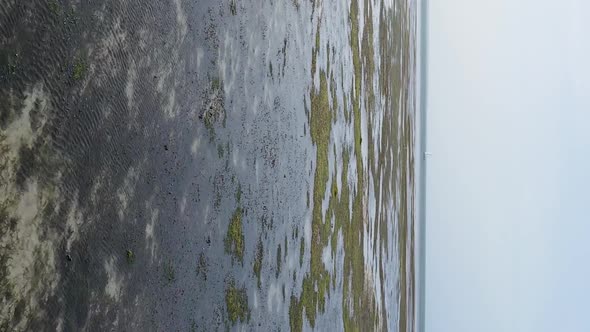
(53, 7)
(216, 83)
(239, 194)
(213, 111)
(286, 246)
(295, 314)
(236, 302)
(233, 7)
(202, 267)
(316, 282)
(279, 260)
(169, 274)
(130, 256)
(258, 261)
(301, 252)
(345, 206)
(79, 70)
(270, 70)
(234, 239)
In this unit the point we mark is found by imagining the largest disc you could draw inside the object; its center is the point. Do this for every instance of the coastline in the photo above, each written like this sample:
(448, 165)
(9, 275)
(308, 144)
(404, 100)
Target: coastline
(420, 165)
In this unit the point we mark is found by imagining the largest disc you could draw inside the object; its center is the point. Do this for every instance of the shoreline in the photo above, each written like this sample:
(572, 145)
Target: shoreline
(420, 166)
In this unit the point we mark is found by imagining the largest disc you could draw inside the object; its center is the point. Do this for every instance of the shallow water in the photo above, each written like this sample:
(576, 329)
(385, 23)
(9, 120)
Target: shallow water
(134, 135)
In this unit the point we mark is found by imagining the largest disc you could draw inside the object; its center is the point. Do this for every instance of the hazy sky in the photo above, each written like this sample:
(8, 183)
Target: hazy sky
(507, 201)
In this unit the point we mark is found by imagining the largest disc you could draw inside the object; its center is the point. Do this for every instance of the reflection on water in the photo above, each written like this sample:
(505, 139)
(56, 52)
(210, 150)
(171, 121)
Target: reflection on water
(180, 165)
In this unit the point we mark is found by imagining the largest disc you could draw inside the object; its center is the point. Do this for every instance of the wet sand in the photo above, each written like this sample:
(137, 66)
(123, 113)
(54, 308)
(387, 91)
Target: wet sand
(200, 166)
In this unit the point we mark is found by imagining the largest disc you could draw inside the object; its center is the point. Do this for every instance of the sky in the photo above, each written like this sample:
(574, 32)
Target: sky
(507, 187)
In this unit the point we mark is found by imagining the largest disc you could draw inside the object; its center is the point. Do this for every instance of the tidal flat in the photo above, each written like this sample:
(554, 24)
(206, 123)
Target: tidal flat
(181, 165)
